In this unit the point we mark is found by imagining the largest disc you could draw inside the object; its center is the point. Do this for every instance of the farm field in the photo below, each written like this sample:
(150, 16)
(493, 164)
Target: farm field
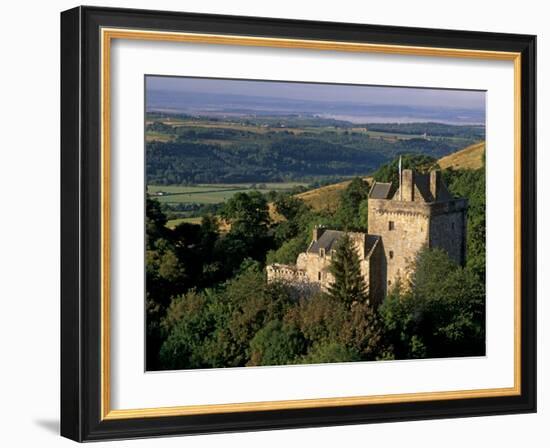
(195, 125)
(212, 193)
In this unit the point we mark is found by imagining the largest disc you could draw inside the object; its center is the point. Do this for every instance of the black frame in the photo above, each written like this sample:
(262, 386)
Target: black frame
(80, 224)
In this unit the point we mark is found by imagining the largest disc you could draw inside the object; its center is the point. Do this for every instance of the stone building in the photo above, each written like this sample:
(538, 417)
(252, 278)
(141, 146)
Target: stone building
(312, 269)
(419, 212)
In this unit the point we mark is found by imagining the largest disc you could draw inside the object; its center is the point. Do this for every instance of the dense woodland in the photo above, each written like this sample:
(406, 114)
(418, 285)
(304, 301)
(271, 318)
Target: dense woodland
(209, 305)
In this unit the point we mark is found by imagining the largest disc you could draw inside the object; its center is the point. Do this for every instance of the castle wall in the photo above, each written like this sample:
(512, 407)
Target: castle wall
(312, 270)
(448, 231)
(377, 274)
(291, 275)
(407, 227)
(317, 268)
(404, 228)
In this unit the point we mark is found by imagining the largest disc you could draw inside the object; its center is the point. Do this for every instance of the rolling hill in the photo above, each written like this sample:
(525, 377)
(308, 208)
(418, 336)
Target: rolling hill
(470, 157)
(328, 197)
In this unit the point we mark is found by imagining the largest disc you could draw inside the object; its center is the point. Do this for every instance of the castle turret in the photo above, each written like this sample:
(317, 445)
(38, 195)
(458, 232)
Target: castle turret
(421, 213)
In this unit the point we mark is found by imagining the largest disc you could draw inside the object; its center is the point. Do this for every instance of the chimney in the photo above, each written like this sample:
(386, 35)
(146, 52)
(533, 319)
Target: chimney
(317, 232)
(435, 182)
(407, 186)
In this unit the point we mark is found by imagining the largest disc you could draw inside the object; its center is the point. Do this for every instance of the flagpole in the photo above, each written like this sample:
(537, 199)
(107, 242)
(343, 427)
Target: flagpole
(400, 181)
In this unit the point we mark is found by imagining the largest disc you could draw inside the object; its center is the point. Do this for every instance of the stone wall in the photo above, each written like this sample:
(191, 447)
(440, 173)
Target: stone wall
(404, 228)
(448, 229)
(317, 267)
(312, 269)
(407, 227)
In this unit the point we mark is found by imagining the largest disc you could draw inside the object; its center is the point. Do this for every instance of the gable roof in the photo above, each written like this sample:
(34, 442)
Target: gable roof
(326, 241)
(380, 190)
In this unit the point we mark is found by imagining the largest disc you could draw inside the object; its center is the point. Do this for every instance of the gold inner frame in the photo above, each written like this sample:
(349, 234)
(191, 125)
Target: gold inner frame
(107, 35)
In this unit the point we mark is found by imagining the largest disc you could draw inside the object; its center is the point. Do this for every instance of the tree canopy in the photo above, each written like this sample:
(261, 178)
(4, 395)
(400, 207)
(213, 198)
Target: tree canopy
(348, 286)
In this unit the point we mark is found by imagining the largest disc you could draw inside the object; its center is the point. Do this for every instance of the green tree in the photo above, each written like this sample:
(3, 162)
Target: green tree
(389, 172)
(276, 344)
(441, 313)
(248, 214)
(362, 331)
(288, 251)
(189, 323)
(347, 215)
(155, 222)
(330, 352)
(470, 184)
(348, 286)
(289, 206)
(319, 318)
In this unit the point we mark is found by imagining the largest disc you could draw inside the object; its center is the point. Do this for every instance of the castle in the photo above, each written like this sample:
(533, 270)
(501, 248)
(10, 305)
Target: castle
(419, 212)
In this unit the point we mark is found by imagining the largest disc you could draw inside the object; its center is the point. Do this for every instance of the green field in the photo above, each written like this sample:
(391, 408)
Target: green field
(211, 193)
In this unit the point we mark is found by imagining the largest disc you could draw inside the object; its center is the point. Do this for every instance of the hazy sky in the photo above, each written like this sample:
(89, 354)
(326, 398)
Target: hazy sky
(466, 99)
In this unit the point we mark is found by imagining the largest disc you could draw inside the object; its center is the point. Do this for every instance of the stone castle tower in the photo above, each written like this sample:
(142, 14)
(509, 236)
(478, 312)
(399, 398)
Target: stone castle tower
(421, 213)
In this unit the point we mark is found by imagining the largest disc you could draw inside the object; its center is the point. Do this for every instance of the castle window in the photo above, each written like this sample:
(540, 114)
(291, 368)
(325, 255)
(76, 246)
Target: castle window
(322, 253)
(319, 276)
(389, 282)
(391, 225)
(391, 254)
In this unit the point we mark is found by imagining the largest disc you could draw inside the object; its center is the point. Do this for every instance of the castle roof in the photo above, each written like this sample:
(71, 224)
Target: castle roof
(329, 240)
(326, 241)
(380, 190)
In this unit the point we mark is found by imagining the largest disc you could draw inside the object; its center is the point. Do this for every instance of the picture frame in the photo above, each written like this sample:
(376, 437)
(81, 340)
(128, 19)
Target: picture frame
(87, 34)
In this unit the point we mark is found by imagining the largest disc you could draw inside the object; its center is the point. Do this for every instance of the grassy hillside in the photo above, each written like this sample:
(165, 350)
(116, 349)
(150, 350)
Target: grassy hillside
(328, 197)
(470, 157)
(325, 198)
